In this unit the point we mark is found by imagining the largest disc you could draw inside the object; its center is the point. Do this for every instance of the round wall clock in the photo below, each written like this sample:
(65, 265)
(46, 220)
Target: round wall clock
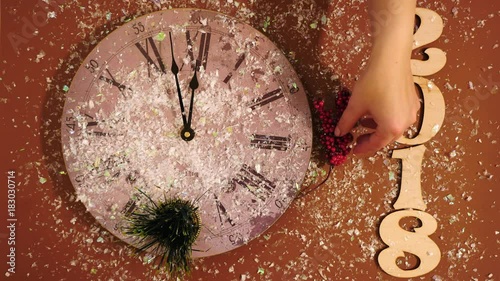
(188, 104)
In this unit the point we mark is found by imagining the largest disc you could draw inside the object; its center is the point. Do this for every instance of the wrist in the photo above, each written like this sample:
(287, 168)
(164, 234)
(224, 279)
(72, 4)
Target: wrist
(392, 24)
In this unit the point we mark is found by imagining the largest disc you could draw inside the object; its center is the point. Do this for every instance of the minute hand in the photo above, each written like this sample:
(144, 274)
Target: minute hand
(175, 71)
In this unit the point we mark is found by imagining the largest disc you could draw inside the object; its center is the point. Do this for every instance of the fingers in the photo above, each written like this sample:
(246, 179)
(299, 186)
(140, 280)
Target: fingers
(370, 143)
(383, 135)
(349, 118)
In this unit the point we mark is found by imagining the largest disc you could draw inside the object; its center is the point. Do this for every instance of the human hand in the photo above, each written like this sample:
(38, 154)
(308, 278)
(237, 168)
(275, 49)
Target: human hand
(384, 99)
(385, 94)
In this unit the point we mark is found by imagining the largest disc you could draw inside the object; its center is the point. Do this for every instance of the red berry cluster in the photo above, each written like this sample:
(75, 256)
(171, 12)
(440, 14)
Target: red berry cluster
(337, 148)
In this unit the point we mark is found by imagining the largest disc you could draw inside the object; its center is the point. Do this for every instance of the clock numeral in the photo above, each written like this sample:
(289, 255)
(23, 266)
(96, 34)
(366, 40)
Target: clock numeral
(109, 169)
(236, 238)
(92, 126)
(131, 204)
(203, 49)
(223, 215)
(129, 208)
(241, 58)
(112, 81)
(101, 134)
(150, 42)
(270, 142)
(279, 203)
(255, 182)
(267, 98)
(71, 123)
(79, 179)
(112, 166)
(71, 126)
(138, 28)
(132, 177)
(92, 66)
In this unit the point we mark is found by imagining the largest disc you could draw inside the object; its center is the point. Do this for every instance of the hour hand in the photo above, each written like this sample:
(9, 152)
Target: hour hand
(193, 85)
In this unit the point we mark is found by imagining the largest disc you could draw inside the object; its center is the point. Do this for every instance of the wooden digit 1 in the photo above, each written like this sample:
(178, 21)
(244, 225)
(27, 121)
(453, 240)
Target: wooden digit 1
(410, 202)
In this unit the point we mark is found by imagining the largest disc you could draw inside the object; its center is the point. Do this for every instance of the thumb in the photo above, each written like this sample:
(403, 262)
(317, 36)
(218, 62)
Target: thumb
(348, 119)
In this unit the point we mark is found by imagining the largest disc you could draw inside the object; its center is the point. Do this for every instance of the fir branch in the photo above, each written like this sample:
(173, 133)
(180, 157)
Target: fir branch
(168, 229)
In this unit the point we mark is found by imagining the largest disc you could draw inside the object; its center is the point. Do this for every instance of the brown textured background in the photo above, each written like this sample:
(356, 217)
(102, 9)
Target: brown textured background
(330, 234)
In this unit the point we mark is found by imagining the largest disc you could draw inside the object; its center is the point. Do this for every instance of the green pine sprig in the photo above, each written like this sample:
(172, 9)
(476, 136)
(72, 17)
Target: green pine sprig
(168, 229)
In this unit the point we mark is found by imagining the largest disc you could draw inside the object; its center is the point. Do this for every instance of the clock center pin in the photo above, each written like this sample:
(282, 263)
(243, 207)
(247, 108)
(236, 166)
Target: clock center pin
(187, 134)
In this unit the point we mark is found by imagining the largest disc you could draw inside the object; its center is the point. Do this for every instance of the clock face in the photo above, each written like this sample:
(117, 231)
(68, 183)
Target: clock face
(122, 122)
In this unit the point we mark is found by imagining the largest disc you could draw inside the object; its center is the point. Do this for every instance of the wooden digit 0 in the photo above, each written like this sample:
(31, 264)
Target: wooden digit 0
(434, 111)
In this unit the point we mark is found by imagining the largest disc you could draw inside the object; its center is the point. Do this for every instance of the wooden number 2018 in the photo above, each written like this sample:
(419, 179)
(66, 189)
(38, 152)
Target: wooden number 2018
(410, 202)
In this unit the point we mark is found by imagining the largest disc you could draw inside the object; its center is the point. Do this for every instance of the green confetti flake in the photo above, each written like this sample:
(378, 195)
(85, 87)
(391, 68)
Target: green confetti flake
(93, 271)
(147, 259)
(323, 19)
(107, 174)
(267, 23)
(62, 173)
(392, 176)
(65, 88)
(160, 36)
(42, 180)
(260, 271)
(314, 25)
(108, 16)
(450, 198)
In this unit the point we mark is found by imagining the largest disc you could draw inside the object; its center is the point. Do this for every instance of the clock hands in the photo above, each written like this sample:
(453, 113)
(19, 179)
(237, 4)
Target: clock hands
(187, 133)
(193, 85)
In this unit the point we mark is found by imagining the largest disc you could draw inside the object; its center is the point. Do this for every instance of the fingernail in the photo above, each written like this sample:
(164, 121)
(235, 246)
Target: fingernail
(337, 132)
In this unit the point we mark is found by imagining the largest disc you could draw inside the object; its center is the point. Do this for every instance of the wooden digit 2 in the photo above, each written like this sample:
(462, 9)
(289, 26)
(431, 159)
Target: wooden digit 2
(410, 202)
